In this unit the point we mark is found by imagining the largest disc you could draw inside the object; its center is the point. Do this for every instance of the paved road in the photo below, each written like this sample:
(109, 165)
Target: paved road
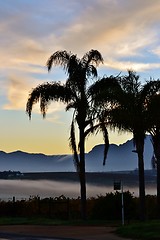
(34, 232)
(17, 237)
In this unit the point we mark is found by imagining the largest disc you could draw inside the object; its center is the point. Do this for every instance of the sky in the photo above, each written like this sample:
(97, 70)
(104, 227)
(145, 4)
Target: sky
(125, 32)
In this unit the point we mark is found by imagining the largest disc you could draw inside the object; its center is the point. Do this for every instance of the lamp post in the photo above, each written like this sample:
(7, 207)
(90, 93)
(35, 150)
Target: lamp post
(118, 185)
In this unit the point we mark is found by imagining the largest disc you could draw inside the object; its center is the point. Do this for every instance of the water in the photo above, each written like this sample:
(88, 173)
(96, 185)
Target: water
(23, 189)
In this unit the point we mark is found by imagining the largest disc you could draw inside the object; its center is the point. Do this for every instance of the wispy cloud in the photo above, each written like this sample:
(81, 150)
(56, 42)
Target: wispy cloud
(30, 33)
(107, 24)
(17, 92)
(18, 89)
(156, 51)
(124, 65)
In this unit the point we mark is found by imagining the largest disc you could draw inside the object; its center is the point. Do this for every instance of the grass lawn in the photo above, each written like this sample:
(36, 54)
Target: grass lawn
(147, 230)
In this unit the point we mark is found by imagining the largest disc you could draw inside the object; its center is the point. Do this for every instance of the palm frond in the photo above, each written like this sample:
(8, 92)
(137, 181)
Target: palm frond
(92, 57)
(91, 71)
(105, 89)
(71, 105)
(106, 141)
(33, 98)
(72, 143)
(91, 130)
(45, 93)
(94, 129)
(130, 83)
(72, 65)
(151, 88)
(59, 58)
(88, 64)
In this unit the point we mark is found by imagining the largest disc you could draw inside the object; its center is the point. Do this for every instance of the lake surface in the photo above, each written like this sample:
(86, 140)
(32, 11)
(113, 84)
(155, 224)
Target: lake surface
(23, 189)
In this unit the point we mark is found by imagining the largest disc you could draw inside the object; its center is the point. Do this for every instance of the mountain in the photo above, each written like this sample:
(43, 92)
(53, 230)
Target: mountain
(35, 162)
(120, 158)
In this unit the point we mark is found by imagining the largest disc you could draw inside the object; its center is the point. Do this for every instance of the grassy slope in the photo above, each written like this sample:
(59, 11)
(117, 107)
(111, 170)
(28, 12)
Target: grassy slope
(149, 230)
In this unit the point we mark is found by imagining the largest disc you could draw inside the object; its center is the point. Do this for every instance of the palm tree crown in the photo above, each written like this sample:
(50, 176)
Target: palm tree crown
(74, 93)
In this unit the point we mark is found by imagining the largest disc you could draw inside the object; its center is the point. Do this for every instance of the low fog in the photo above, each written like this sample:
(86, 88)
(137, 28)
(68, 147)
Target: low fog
(23, 189)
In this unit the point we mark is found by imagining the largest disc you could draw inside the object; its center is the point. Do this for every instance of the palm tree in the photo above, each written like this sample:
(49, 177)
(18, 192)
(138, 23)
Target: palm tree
(127, 114)
(130, 116)
(152, 90)
(75, 93)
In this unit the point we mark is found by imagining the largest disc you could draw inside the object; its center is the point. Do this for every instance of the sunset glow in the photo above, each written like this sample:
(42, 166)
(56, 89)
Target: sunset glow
(126, 33)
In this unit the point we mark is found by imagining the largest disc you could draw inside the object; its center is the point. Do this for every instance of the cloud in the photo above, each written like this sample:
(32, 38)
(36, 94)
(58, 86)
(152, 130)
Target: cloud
(106, 25)
(54, 118)
(18, 90)
(131, 46)
(136, 66)
(53, 112)
(23, 57)
(34, 34)
(17, 93)
(156, 51)
(30, 33)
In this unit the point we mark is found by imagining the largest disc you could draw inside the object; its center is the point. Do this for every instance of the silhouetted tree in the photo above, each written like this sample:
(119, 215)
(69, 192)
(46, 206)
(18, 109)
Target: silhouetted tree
(127, 113)
(76, 94)
(152, 103)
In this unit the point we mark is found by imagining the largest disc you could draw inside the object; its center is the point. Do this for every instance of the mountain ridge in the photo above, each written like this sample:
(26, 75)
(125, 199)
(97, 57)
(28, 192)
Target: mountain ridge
(120, 158)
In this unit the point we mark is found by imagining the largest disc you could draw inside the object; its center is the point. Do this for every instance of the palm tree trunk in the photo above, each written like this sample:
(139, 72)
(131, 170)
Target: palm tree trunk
(158, 185)
(82, 175)
(141, 187)
(156, 147)
(140, 150)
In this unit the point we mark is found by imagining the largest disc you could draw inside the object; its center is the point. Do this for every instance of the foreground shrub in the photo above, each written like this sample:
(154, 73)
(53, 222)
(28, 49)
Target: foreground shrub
(108, 207)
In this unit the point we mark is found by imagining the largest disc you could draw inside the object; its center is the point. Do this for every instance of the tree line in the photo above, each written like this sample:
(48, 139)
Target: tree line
(119, 102)
(107, 207)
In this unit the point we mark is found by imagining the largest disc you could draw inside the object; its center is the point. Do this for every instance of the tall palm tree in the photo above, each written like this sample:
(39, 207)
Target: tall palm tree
(130, 116)
(127, 114)
(152, 92)
(144, 116)
(75, 93)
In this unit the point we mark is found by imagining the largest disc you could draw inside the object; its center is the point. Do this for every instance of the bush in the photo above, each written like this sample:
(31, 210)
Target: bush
(108, 207)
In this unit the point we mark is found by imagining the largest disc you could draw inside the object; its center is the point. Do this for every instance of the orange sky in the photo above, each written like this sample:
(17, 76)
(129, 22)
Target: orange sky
(126, 33)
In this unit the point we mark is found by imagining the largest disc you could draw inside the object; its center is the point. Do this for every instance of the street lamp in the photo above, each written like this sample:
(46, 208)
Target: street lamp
(118, 185)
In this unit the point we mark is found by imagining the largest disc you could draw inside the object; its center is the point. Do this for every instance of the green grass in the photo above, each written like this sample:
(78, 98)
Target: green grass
(149, 230)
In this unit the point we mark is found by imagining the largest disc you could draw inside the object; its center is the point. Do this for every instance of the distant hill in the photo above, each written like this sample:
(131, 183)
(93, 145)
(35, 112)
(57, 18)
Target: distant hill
(120, 158)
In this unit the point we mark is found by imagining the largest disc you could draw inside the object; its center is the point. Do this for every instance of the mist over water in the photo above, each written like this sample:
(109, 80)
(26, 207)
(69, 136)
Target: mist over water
(23, 189)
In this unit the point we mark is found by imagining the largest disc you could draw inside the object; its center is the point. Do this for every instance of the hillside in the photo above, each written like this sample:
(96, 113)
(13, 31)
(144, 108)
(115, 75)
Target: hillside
(120, 158)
